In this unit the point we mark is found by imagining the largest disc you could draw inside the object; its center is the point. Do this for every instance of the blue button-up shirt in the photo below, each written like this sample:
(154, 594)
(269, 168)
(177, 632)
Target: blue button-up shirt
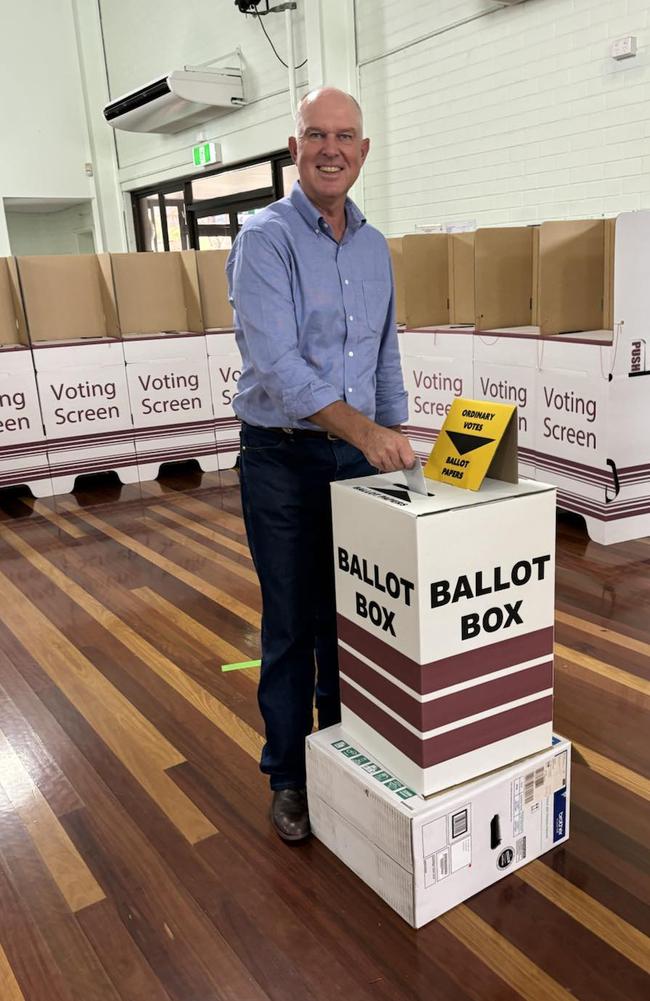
(314, 319)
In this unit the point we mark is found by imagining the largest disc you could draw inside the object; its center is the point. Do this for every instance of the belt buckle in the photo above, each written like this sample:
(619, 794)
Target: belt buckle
(288, 430)
(332, 437)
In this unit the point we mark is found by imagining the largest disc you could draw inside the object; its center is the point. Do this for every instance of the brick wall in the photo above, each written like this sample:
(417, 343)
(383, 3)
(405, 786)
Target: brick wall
(515, 116)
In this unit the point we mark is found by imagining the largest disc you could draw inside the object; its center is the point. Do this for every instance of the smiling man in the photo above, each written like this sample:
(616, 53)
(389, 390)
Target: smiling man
(320, 398)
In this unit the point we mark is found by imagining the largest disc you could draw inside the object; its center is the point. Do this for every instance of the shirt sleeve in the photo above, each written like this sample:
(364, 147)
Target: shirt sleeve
(390, 396)
(262, 297)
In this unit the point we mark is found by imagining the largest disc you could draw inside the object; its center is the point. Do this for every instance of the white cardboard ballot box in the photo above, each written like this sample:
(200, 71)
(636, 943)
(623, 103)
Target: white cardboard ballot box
(425, 856)
(445, 608)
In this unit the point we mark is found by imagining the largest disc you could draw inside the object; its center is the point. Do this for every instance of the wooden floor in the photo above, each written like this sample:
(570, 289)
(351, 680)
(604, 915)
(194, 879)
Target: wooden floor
(136, 858)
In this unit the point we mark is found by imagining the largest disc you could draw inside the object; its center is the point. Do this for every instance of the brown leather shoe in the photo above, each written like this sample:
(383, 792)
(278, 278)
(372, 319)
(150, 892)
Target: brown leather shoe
(290, 815)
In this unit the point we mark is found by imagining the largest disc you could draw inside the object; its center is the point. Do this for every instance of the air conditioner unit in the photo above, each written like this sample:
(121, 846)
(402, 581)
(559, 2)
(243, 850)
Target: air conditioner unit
(177, 101)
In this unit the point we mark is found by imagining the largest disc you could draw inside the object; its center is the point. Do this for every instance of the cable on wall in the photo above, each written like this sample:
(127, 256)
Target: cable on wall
(250, 7)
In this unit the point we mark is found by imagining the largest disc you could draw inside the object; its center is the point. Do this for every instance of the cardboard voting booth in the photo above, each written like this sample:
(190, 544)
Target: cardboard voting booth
(434, 279)
(79, 364)
(23, 457)
(593, 404)
(425, 856)
(575, 276)
(503, 261)
(157, 297)
(548, 280)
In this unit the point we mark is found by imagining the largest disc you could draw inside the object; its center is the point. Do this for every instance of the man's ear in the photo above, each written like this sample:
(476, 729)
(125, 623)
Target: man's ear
(365, 146)
(293, 148)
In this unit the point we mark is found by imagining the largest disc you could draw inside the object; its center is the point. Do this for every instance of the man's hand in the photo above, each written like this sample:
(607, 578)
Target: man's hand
(386, 449)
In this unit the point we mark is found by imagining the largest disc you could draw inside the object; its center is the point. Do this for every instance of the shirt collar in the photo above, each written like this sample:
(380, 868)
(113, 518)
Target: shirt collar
(355, 219)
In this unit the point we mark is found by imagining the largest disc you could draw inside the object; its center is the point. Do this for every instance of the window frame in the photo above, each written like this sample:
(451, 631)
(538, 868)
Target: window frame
(195, 208)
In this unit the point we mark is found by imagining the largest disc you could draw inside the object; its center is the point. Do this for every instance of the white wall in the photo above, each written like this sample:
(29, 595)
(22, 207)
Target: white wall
(53, 67)
(145, 40)
(49, 232)
(517, 116)
(43, 134)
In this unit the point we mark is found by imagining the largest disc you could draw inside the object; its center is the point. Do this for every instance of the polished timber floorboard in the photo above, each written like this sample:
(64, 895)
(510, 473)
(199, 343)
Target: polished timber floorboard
(136, 858)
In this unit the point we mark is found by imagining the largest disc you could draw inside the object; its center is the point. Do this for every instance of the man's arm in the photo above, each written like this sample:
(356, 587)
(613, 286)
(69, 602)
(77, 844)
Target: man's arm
(386, 448)
(260, 281)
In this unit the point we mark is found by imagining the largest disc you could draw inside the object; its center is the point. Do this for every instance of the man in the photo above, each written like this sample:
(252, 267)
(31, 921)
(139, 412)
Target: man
(320, 396)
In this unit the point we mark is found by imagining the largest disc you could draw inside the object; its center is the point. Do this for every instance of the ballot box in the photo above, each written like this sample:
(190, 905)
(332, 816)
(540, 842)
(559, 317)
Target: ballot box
(425, 856)
(445, 607)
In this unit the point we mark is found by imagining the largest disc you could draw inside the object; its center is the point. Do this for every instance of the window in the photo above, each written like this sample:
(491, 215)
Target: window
(233, 182)
(150, 223)
(178, 235)
(289, 175)
(207, 212)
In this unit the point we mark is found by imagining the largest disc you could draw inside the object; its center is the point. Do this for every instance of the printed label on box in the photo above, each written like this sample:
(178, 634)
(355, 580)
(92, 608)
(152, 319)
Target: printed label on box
(377, 772)
(447, 844)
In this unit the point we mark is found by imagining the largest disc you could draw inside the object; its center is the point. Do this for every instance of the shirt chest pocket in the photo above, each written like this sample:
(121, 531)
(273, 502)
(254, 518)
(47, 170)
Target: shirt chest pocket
(376, 296)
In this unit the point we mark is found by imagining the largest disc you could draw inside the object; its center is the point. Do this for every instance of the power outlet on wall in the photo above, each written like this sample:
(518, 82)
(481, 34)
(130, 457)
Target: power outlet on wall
(623, 48)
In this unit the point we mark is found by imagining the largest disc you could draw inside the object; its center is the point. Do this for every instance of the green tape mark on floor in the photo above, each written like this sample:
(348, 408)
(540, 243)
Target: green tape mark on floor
(238, 667)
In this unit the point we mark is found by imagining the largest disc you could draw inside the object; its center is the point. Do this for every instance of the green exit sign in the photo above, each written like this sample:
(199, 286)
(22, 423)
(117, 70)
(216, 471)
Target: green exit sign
(206, 153)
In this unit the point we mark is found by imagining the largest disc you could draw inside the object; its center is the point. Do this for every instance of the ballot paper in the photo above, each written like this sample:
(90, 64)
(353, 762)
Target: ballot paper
(415, 479)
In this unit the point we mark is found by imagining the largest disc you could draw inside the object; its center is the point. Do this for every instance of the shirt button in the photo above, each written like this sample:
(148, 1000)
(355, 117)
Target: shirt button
(350, 354)
(350, 318)
(346, 282)
(349, 389)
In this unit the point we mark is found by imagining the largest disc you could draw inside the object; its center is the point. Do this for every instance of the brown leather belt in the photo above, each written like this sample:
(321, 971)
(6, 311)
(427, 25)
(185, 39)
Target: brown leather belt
(307, 433)
(297, 432)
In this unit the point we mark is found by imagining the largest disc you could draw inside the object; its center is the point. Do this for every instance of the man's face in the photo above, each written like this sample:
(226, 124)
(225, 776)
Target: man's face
(329, 151)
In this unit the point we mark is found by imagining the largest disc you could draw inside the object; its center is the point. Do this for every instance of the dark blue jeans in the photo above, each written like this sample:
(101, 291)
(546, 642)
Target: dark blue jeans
(285, 484)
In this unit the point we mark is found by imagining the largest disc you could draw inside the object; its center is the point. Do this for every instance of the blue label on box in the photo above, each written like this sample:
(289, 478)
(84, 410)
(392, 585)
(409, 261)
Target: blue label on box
(559, 814)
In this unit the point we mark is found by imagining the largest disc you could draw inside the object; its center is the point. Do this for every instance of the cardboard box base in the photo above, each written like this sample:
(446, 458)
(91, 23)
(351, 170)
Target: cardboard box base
(425, 856)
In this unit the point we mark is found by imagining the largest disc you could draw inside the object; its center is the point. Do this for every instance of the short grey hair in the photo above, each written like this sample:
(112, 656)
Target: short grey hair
(313, 94)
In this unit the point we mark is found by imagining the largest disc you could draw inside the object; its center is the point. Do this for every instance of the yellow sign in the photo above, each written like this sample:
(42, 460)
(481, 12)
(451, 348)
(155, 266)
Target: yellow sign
(477, 437)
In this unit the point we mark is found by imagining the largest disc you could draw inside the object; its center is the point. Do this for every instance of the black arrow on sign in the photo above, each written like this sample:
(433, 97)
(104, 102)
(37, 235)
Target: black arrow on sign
(464, 443)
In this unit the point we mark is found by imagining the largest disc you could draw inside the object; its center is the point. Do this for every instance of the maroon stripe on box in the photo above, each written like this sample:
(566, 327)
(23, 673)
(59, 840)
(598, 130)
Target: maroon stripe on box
(449, 708)
(434, 750)
(431, 677)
